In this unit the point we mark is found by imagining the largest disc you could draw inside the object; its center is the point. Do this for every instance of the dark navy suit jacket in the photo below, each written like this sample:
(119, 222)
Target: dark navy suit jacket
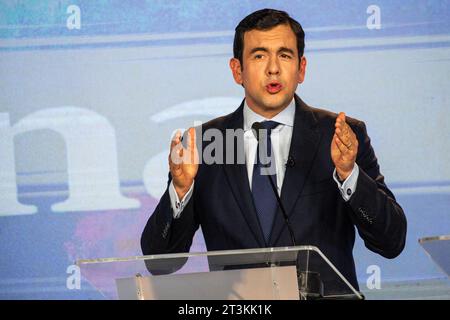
(222, 202)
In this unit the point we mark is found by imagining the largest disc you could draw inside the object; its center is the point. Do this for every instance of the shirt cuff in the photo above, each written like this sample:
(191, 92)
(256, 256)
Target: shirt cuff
(177, 205)
(348, 187)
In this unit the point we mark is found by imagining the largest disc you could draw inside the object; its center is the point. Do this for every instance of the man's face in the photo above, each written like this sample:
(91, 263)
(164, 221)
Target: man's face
(271, 70)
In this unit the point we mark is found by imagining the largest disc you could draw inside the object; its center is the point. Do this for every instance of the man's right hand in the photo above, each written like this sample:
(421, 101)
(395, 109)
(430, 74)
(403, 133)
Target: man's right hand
(183, 162)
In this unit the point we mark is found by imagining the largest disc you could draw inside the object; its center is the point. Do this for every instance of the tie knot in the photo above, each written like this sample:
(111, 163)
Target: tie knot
(269, 125)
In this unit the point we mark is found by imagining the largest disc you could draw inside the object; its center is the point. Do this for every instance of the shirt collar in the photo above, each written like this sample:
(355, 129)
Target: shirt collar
(285, 117)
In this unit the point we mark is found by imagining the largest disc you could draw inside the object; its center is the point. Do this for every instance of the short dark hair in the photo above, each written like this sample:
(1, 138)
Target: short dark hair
(263, 20)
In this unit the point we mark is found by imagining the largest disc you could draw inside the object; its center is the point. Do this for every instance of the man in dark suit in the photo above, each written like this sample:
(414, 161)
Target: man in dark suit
(326, 171)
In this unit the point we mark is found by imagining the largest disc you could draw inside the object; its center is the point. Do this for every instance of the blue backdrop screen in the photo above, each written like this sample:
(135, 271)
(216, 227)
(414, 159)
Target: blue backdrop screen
(91, 92)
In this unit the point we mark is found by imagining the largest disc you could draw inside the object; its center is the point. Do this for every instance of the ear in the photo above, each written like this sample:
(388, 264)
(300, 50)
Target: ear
(235, 66)
(302, 70)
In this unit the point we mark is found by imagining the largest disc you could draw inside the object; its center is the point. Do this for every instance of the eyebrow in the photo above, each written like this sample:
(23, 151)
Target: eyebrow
(264, 49)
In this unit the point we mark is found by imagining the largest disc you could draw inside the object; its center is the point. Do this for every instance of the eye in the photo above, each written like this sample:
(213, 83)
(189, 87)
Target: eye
(285, 56)
(258, 56)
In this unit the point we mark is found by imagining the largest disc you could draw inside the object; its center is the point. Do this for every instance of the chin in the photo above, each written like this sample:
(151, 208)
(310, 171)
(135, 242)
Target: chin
(276, 103)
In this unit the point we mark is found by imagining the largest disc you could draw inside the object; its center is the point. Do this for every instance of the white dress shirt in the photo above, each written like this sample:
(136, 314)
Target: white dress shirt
(281, 142)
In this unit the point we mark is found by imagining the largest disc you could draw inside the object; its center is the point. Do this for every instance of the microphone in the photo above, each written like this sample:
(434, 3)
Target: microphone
(256, 127)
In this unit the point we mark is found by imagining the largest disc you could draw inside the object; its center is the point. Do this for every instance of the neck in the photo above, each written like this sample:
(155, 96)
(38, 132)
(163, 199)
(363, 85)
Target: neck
(267, 113)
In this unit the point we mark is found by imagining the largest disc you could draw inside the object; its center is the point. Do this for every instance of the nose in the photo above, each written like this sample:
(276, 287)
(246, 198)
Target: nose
(273, 67)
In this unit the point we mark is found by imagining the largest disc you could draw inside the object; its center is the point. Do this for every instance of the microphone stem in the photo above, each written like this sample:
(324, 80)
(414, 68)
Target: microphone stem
(275, 191)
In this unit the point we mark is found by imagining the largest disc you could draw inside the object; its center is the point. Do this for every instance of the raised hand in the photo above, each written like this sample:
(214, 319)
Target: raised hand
(344, 147)
(183, 162)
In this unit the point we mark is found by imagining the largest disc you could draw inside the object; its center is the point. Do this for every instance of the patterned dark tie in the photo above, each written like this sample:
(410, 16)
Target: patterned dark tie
(263, 195)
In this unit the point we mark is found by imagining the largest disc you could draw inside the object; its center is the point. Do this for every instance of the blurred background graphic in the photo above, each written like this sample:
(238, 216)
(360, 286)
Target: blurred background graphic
(91, 92)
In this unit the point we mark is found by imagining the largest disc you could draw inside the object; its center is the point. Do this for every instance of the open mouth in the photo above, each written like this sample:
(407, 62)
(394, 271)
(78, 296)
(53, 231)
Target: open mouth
(274, 87)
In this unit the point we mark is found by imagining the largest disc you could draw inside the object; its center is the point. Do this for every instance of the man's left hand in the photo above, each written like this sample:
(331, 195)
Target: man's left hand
(344, 147)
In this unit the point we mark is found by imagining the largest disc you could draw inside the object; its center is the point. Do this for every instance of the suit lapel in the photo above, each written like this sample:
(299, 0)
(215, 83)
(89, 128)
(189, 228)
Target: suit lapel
(304, 145)
(238, 180)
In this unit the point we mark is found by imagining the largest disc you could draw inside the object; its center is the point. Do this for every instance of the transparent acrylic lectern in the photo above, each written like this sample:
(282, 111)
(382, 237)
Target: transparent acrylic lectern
(438, 248)
(287, 273)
